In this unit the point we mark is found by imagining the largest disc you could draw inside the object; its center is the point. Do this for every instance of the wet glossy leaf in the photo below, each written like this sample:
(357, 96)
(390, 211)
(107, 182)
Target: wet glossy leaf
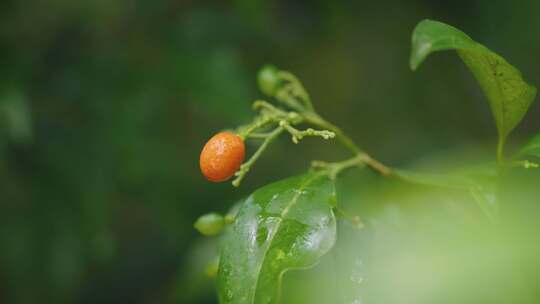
(283, 226)
(508, 94)
(532, 148)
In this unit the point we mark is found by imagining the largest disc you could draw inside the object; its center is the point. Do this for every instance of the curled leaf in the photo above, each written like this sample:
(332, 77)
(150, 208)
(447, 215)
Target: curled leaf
(508, 94)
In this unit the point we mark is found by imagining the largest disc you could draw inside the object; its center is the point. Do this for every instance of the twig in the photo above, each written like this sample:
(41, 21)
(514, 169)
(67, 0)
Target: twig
(244, 168)
(297, 135)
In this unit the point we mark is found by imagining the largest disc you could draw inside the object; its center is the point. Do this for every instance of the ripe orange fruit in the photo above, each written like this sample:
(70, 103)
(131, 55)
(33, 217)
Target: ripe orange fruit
(222, 156)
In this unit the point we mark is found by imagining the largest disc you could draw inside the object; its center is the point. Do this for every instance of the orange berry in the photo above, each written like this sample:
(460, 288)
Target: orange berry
(222, 156)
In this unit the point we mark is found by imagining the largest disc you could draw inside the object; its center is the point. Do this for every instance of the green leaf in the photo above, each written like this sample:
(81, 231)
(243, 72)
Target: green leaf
(508, 94)
(532, 148)
(283, 226)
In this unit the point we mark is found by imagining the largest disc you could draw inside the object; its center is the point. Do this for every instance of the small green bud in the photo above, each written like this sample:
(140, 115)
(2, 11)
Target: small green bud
(527, 164)
(229, 219)
(268, 80)
(210, 224)
(211, 269)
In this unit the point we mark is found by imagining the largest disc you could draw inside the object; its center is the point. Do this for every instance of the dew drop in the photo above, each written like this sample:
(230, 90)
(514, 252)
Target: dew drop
(357, 272)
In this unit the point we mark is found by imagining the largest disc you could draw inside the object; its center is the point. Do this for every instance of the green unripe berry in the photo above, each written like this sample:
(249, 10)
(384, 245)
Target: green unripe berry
(211, 269)
(268, 80)
(210, 224)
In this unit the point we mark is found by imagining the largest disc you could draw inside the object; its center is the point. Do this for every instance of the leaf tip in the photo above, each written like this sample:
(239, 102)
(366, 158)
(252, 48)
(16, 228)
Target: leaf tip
(414, 63)
(419, 52)
(420, 48)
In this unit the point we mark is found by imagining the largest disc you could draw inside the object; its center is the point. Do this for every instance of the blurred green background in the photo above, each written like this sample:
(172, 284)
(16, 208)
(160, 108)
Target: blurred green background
(105, 105)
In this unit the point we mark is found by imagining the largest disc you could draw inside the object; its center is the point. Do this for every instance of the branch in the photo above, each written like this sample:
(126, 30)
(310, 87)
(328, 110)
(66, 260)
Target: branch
(297, 135)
